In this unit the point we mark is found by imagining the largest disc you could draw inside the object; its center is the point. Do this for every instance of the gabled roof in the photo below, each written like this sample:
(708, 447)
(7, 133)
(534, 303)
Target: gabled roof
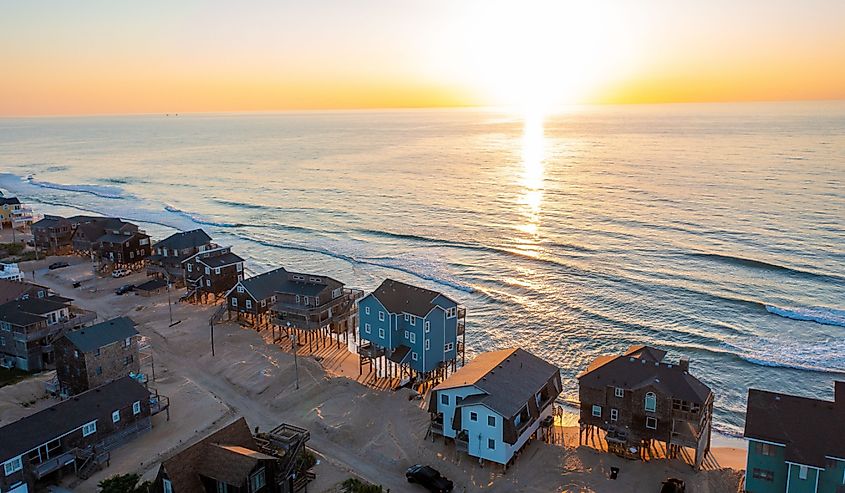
(809, 428)
(44, 426)
(151, 285)
(185, 239)
(264, 285)
(639, 368)
(10, 314)
(184, 469)
(302, 284)
(38, 306)
(224, 259)
(102, 334)
(48, 221)
(508, 378)
(12, 290)
(399, 297)
(9, 200)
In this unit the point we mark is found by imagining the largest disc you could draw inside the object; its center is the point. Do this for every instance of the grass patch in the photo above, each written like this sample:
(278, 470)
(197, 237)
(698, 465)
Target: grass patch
(11, 376)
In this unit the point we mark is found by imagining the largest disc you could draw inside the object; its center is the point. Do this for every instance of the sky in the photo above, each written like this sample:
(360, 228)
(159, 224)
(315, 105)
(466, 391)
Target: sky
(65, 57)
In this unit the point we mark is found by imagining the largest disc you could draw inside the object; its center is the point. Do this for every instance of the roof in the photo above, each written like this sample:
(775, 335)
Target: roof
(231, 464)
(102, 334)
(509, 377)
(640, 367)
(809, 428)
(9, 200)
(10, 314)
(34, 430)
(184, 469)
(48, 222)
(221, 260)
(38, 306)
(151, 285)
(12, 290)
(264, 285)
(399, 297)
(185, 239)
(399, 354)
(114, 238)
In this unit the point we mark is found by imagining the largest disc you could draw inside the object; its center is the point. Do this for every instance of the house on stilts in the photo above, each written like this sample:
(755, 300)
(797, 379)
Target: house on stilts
(638, 398)
(168, 254)
(409, 331)
(210, 274)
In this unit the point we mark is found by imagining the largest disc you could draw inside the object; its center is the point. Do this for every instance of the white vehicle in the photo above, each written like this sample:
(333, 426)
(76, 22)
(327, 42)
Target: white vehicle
(120, 273)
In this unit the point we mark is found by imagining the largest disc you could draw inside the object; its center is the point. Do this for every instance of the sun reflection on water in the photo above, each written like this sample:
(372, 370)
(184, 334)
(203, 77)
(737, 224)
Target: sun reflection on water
(533, 163)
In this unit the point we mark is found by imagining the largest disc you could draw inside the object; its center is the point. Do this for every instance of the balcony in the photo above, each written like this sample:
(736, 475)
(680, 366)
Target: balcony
(54, 464)
(370, 350)
(462, 316)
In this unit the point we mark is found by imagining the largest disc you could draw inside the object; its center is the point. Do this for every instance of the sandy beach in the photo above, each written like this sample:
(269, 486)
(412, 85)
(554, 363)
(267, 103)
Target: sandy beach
(356, 429)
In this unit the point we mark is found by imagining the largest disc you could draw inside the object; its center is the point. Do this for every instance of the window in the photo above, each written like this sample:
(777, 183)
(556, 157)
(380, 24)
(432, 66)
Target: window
(427, 344)
(367, 328)
(257, 481)
(190, 267)
(381, 333)
(763, 474)
(766, 449)
(448, 347)
(596, 411)
(298, 299)
(168, 488)
(414, 356)
(381, 316)
(240, 289)
(98, 370)
(249, 304)
(207, 270)
(367, 310)
(614, 414)
(491, 420)
(413, 338)
(473, 416)
(407, 335)
(450, 313)
(136, 407)
(239, 266)
(75, 353)
(89, 428)
(650, 402)
(802, 472)
(427, 326)
(240, 277)
(316, 300)
(306, 301)
(12, 465)
(619, 392)
(491, 444)
(651, 423)
(115, 416)
(407, 317)
(127, 342)
(444, 399)
(208, 283)
(222, 487)
(234, 302)
(263, 302)
(217, 270)
(413, 320)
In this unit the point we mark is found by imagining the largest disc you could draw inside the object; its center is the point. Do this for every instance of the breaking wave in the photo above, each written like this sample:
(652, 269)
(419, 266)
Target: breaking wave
(820, 315)
(102, 191)
(202, 220)
(762, 265)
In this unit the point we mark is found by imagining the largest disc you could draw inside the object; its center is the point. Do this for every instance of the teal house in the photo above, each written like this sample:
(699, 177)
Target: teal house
(415, 328)
(795, 444)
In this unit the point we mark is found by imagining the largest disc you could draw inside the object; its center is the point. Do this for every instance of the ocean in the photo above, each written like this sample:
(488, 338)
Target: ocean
(714, 231)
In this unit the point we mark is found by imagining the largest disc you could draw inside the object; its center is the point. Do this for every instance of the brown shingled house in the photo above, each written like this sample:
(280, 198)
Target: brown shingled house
(638, 398)
(232, 459)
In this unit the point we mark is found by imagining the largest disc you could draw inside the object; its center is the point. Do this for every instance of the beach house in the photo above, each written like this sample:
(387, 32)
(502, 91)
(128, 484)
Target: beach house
(30, 325)
(53, 235)
(251, 298)
(233, 459)
(14, 214)
(168, 254)
(493, 405)
(74, 436)
(414, 327)
(91, 356)
(10, 272)
(20, 290)
(638, 397)
(795, 444)
(210, 274)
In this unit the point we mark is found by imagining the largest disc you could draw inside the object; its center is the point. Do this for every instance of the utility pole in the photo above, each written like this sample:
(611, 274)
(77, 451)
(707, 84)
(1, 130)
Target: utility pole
(211, 325)
(295, 364)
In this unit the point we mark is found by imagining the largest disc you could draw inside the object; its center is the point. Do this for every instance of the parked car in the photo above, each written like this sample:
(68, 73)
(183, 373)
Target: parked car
(57, 265)
(120, 273)
(673, 485)
(429, 478)
(124, 289)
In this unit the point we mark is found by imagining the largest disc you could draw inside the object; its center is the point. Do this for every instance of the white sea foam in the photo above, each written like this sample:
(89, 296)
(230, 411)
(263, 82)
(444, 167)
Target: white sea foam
(820, 315)
(104, 191)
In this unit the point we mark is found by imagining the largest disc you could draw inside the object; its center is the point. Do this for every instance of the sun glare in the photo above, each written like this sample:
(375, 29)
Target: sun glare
(536, 56)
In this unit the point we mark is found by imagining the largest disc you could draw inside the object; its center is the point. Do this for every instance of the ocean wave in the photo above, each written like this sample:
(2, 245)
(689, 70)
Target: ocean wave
(402, 265)
(820, 315)
(201, 219)
(102, 191)
(763, 265)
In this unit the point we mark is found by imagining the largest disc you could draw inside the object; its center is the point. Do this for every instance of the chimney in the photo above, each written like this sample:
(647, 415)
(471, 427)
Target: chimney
(683, 363)
(839, 393)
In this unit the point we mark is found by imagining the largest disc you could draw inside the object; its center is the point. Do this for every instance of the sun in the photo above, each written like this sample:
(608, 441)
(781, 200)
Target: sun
(539, 55)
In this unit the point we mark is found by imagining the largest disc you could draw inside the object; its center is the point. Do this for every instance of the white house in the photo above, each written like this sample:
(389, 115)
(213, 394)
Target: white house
(11, 272)
(493, 405)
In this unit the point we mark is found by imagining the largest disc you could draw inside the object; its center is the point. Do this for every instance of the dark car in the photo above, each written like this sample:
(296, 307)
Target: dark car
(673, 485)
(429, 478)
(124, 289)
(57, 265)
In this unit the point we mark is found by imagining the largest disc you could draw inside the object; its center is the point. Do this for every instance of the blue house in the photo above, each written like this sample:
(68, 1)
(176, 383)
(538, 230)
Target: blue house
(413, 327)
